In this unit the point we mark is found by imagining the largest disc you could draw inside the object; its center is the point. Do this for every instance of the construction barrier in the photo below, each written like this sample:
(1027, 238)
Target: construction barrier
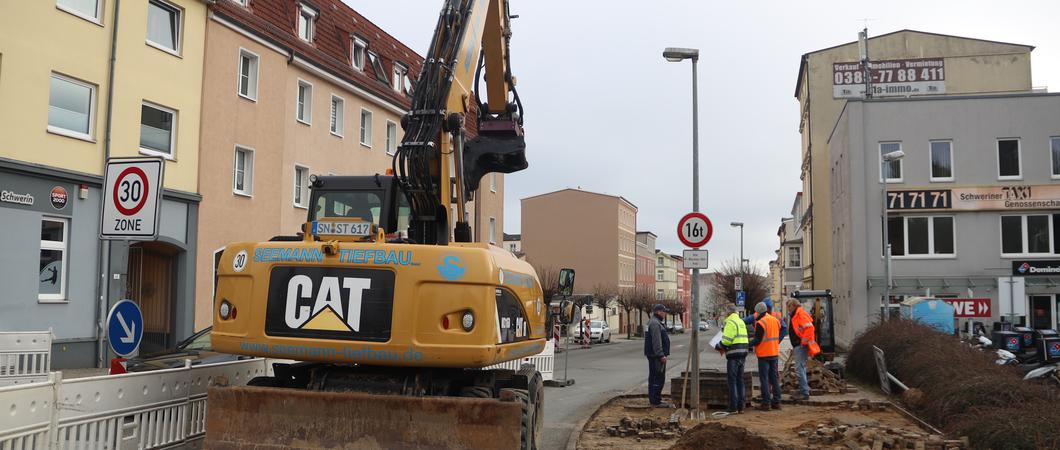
(25, 357)
(144, 410)
(544, 362)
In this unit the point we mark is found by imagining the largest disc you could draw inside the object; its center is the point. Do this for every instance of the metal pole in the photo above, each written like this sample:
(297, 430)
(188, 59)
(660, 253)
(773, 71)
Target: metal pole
(694, 347)
(886, 245)
(1012, 300)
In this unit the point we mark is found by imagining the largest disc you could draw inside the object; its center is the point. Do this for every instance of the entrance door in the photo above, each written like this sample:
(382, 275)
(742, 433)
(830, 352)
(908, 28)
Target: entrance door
(1041, 311)
(151, 286)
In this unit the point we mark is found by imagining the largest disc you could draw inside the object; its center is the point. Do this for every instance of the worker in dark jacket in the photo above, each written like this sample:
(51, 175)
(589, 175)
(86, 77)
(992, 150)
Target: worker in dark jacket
(656, 349)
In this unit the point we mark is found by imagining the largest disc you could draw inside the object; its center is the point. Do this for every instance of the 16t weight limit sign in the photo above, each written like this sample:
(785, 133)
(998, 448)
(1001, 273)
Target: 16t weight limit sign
(131, 198)
(695, 230)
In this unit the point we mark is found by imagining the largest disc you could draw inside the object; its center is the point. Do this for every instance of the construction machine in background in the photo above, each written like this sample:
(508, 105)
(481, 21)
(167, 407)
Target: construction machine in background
(388, 307)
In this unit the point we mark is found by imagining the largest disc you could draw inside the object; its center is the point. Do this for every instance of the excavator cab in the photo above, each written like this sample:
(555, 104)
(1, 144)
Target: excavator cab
(374, 199)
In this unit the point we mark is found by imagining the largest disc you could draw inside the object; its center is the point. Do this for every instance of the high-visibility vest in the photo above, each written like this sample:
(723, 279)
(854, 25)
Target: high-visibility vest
(770, 344)
(803, 326)
(734, 335)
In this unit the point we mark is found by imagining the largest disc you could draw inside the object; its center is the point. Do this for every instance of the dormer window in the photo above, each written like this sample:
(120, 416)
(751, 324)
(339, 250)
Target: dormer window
(377, 67)
(398, 82)
(306, 16)
(358, 52)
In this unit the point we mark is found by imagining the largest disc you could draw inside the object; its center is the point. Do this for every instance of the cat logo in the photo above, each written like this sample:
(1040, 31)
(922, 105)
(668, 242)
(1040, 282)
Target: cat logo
(326, 311)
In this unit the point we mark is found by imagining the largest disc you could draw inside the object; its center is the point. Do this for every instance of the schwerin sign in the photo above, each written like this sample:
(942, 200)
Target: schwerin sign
(977, 198)
(894, 78)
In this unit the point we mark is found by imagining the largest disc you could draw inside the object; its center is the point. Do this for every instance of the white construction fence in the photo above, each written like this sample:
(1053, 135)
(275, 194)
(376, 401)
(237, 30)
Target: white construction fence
(25, 357)
(544, 362)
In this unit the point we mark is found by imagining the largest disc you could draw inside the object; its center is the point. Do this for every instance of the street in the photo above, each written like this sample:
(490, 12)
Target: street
(604, 371)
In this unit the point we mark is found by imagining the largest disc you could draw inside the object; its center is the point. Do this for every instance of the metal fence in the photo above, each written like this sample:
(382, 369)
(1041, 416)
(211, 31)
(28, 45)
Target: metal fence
(25, 357)
(145, 410)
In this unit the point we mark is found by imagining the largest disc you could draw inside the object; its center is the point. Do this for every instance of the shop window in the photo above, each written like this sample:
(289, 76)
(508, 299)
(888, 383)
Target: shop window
(70, 107)
(53, 247)
(163, 26)
(1026, 234)
(921, 236)
(157, 126)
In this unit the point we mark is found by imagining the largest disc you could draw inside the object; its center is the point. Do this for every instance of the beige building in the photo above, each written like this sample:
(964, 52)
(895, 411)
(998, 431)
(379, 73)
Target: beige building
(938, 65)
(666, 283)
(292, 90)
(595, 234)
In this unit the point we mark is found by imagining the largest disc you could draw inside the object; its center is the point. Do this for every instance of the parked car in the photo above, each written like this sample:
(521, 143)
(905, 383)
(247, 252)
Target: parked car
(598, 332)
(677, 328)
(703, 326)
(198, 348)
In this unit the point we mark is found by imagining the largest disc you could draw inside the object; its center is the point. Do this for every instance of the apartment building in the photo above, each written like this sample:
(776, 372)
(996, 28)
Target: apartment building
(788, 265)
(82, 81)
(972, 208)
(513, 243)
(905, 63)
(666, 282)
(645, 271)
(593, 233)
(296, 88)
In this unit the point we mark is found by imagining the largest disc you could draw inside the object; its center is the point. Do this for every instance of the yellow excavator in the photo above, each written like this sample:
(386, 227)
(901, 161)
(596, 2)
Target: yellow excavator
(389, 310)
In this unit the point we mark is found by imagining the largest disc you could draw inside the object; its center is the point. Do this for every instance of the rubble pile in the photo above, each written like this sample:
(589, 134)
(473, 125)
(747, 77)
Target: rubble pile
(718, 436)
(822, 381)
(870, 435)
(647, 428)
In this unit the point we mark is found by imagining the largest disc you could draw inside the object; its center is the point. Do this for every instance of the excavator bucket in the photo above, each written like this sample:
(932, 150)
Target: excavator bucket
(277, 418)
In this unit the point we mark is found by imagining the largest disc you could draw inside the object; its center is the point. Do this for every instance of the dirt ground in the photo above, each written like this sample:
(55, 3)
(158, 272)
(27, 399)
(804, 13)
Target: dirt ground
(753, 430)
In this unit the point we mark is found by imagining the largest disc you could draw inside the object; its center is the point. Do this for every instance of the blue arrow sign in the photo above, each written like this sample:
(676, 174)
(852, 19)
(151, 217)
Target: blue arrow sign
(125, 327)
(741, 298)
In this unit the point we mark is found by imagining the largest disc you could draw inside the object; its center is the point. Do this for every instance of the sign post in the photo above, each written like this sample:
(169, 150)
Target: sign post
(695, 230)
(125, 327)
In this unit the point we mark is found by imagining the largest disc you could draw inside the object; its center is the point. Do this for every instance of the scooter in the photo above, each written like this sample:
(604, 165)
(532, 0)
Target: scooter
(1049, 372)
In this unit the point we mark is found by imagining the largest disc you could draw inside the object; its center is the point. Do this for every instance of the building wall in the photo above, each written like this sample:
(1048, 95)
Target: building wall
(972, 66)
(665, 276)
(973, 124)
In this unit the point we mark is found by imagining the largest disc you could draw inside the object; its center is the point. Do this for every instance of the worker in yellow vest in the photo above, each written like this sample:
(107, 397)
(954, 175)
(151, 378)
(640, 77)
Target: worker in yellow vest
(734, 345)
(766, 343)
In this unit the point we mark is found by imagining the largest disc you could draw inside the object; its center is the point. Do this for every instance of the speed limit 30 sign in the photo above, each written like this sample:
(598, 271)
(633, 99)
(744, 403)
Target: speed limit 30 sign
(131, 197)
(695, 230)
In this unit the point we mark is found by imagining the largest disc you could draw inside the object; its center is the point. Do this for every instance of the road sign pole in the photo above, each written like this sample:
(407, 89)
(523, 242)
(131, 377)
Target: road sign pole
(694, 348)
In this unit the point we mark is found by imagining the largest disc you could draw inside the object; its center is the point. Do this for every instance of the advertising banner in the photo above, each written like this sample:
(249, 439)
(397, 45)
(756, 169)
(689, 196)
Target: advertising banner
(894, 78)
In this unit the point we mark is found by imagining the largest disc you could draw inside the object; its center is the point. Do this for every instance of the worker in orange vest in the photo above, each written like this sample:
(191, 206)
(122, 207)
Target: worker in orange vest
(803, 344)
(767, 348)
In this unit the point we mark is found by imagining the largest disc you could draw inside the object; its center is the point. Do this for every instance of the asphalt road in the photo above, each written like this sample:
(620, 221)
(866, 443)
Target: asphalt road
(604, 371)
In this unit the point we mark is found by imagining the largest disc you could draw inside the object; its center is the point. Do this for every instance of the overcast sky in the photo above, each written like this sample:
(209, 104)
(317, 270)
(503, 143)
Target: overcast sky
(605, 112)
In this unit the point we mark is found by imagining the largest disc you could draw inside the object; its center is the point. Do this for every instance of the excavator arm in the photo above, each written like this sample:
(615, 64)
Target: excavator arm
(436, 165)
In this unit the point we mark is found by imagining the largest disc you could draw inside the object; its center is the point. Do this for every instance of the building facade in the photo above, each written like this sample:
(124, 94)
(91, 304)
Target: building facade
(972, 207)
(296, 89)
(513, 243)
(115, 82)
(644, 279)
(940, 65)
(665, 276)
(593, 233)
(789, 260)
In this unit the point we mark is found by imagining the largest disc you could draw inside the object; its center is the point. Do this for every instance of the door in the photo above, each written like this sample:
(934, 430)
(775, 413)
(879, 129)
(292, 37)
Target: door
(151, 286)
(1041, 311)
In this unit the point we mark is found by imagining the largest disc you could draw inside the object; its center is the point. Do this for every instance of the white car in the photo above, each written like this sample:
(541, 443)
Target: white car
(598, 332)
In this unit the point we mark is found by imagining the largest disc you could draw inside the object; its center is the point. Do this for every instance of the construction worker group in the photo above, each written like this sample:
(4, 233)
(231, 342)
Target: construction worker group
(769, 328)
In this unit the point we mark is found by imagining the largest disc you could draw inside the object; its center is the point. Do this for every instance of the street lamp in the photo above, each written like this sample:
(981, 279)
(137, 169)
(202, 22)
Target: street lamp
(677, 54)
(885, 164)
(740, 225)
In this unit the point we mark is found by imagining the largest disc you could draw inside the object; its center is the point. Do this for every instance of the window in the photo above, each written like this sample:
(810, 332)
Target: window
(336, 115)
(242, 3)
(794, 257)
(248, 75)
(493, 230)
(391, 138)
(85, 9)
(306, 16)
(377, 68)
(358, 50)
(304, 106)
(71, 106)
(658, 275)
(398, 82)
(493, 182)
(366, 128)
(891, 170)
(1054, 145)
(301, 186)
(1008, 159)
(243, 173)
(660, 261)
(53, 244)
(941, 161)
(157, 127)
(163, 26)
(1026, 234)
(921, 236)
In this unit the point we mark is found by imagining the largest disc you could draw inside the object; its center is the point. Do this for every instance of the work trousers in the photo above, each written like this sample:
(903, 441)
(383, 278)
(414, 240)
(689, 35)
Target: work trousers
(737, 391)
(656, 380)
(769, 378)
(801, 354)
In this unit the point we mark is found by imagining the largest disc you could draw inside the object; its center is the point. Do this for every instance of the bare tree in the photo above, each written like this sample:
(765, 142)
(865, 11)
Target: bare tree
(549, 278)
(628, 300)
(755, 284)
(603, 295)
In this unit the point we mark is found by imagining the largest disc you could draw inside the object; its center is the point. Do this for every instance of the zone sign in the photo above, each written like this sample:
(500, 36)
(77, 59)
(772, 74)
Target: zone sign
(132, 191)
(695, 230)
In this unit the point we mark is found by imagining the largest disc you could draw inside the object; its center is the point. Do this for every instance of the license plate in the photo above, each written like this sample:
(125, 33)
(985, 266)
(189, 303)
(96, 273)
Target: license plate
(342, 228)
(330, 303)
